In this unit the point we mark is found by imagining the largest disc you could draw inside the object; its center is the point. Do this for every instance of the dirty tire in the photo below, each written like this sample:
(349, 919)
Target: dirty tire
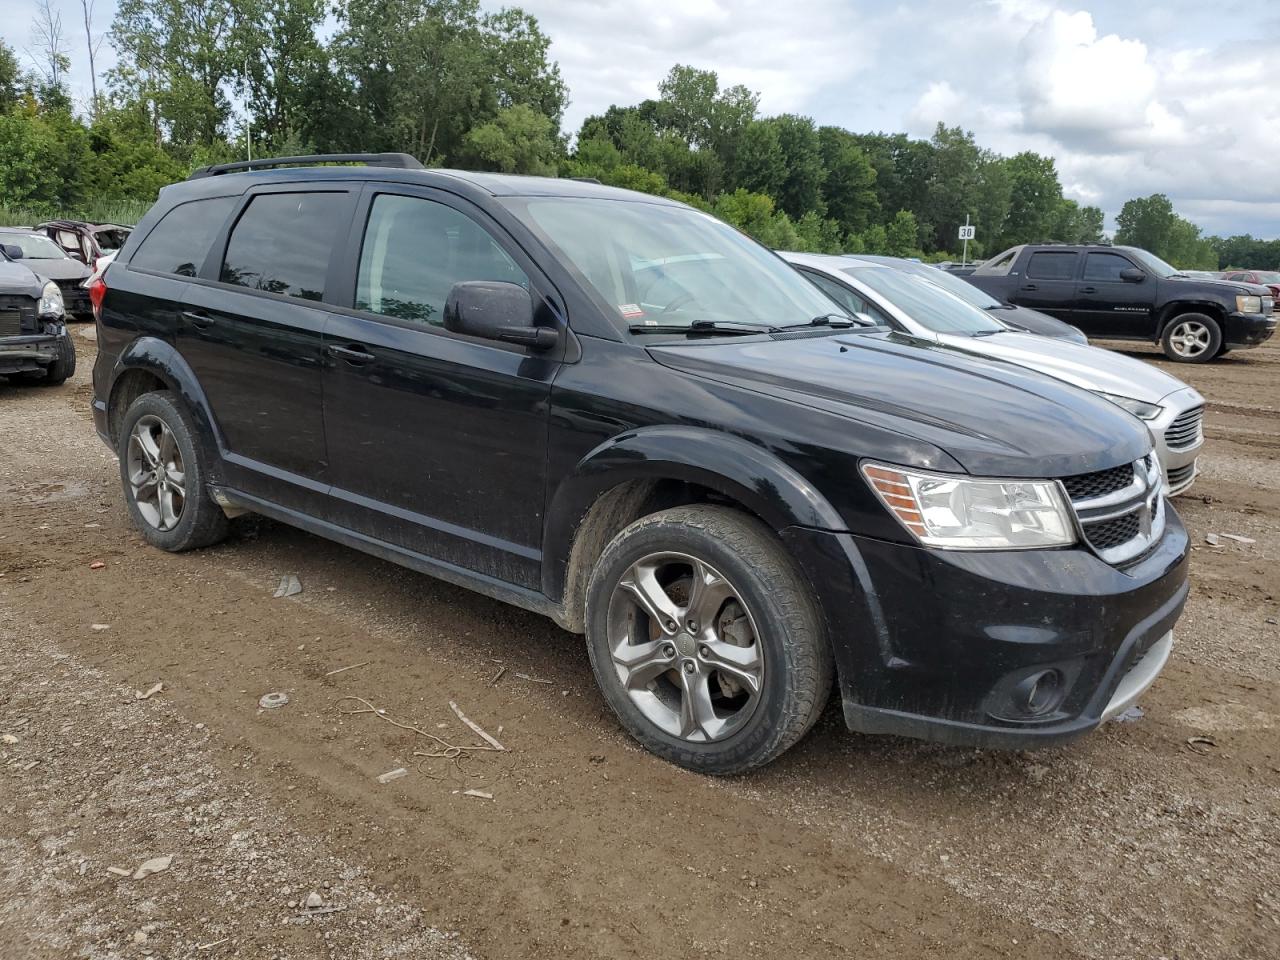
(202, 522)
(1191, 338)
(798, 668)
(62, 369)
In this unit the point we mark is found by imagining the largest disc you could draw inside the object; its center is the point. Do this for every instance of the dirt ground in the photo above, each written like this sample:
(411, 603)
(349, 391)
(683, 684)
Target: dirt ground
(1158, 837)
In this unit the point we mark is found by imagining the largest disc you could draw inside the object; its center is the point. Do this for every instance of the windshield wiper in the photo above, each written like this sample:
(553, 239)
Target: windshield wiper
(739, 328)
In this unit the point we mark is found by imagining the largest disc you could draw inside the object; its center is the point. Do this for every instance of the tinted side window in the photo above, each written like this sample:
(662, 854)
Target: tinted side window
(180, 241)
(849, 301)
(1104, 266)
(282, 242)
(415, 250)
(1052, 265)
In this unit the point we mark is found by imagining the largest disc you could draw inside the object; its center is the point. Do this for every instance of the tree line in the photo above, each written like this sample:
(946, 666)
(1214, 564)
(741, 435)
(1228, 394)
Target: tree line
(204, 81)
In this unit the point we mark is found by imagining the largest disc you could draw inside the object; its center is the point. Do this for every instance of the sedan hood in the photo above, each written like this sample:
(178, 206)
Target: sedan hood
(63, 268)
(1091, 368)
(992, 418)
(16, 278)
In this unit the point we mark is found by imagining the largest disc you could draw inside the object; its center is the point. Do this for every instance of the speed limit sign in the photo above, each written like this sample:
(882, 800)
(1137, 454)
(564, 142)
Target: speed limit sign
(966, 232)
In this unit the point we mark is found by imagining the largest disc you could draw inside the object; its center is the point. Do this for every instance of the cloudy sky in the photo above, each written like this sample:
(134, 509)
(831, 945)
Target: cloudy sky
(1176, 96)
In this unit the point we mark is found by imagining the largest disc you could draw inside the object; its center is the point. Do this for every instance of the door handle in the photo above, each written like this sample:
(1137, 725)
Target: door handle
(353, 354)
(198, 319)
(1028, 286)
(1088, 289)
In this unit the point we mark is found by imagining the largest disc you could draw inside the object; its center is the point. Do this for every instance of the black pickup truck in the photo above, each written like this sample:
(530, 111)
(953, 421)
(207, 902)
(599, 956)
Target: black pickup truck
(1125, 293)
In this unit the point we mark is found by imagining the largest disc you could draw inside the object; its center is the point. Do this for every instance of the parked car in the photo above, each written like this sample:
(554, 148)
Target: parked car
(1124, 293)
(1010, 315)
(35, 346)
(1266, 278)
(618, 411)
(47, 259)
(84, 241)
(1172, 411)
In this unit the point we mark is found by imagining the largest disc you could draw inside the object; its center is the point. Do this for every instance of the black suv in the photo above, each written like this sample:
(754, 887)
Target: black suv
(1126, 293)
(620, 412)
(35, 345)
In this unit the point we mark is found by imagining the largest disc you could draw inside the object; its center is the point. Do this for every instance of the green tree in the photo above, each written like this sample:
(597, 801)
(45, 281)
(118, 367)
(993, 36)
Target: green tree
(849, 187)
(801, 189)
(517, 140)
(901, 235)
(953, 182)
(179, 56)
(1151, 223)
(12, 79)
(1035, 196)
(285, 62)
(759, 164)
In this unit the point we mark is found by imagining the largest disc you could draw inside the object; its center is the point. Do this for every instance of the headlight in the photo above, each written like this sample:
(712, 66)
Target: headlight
(1144, 411)
(960, 513)
(50, 301)
(1248, 304)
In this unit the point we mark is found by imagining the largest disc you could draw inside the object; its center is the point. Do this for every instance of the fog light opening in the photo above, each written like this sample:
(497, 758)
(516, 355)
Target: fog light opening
(1039, 693)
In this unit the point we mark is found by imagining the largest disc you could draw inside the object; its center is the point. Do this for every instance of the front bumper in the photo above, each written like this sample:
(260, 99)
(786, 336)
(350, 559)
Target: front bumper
(30, 352)
(1248, 329)
(943, 645)
(1178, 437)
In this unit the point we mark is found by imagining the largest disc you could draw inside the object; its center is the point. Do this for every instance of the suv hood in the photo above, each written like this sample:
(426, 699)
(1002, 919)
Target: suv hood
(1091, 368)
(15, 278)
(1226, 287)
(993, 419)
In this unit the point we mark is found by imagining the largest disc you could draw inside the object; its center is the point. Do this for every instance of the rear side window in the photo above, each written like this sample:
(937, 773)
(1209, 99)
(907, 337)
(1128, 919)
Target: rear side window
(282, 241)
(1104, 266)
(181, 240)
(1052, 265)
(415, 250)
(849, 301)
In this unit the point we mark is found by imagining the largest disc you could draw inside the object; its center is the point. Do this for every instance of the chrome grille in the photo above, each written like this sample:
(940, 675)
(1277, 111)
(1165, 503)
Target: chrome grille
(1185, 431)
(1121, 510)
(1179, 477)
(1098, 484)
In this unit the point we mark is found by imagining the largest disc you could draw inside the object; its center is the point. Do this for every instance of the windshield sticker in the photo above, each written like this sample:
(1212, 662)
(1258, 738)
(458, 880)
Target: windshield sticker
(630, 311)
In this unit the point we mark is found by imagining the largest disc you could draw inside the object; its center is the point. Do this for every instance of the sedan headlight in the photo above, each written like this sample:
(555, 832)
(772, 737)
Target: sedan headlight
(50, 301)
(1248, 304)
(962, 513)
(1141, 410)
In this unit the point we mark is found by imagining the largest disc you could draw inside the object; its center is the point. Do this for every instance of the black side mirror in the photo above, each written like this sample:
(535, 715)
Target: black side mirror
(1132, 275)
(12, 251)
(496, 310)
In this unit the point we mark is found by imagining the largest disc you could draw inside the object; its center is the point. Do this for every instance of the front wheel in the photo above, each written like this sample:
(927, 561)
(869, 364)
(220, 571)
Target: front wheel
(62, 369)
(1192, 338)
(705, 639)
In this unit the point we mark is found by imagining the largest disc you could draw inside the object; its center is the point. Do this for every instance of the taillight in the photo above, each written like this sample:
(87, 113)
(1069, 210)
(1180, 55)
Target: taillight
(97, 287)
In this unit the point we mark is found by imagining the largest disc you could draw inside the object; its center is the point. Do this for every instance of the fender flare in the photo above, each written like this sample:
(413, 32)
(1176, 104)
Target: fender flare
(740, 470)
(161, 359)
(1173, 308)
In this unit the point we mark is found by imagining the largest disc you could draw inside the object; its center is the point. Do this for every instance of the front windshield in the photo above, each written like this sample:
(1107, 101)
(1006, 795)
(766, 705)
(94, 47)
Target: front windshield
(32, 247)
(925, 302)
(1153, 263)
(667, 266)
(949, 282)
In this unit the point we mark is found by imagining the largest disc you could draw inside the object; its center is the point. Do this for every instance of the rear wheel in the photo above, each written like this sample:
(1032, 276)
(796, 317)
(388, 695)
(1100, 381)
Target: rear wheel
(165, 477)
(705, 639)
(1192, 338)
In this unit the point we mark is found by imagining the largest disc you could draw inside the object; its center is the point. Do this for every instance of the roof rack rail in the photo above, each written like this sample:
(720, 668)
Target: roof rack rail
(402, 161)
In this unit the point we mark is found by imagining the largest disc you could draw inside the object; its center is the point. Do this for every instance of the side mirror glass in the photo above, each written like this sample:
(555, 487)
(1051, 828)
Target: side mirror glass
(12, 251)
(495, 310)
(1132, 275)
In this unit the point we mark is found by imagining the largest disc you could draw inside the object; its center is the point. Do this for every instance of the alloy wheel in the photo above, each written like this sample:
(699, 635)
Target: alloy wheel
(157, 476)
(684, 647)
(1190, 339)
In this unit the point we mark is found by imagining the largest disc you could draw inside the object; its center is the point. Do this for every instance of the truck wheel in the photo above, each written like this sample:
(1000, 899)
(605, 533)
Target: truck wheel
(62, 369)
(705, 639)
(165, 477)
(1192, 338)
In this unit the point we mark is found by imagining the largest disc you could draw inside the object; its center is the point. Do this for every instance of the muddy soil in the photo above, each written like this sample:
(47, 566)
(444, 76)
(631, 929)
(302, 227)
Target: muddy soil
(1153, 838)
